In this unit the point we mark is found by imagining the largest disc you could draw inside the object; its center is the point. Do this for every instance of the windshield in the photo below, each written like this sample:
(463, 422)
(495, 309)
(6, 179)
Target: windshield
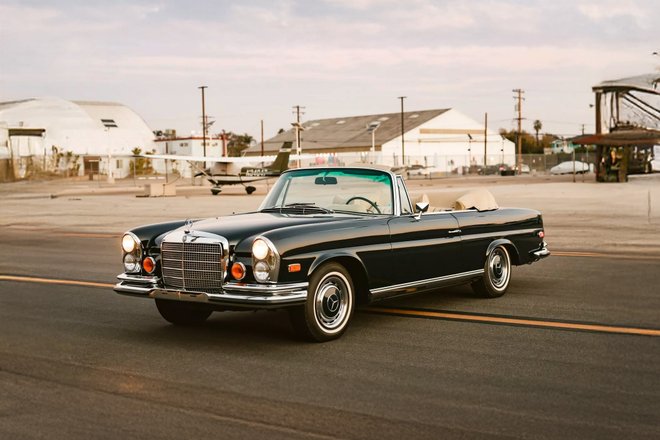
(332, 190)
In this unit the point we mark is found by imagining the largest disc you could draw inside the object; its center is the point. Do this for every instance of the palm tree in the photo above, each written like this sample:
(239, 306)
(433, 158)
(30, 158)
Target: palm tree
(238, 142)
(537, 127)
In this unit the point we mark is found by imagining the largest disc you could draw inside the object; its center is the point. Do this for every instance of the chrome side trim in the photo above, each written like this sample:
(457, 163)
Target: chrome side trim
(498, 234)
(428, 283)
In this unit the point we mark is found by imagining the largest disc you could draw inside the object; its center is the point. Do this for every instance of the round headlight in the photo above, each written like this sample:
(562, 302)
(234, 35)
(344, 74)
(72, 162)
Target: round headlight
(128, 243)
(261, 271)
(131, 263)
(260, 249)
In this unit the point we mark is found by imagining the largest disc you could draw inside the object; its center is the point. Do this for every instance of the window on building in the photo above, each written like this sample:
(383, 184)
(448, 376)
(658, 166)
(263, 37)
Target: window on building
(109, 123)
(120, 164)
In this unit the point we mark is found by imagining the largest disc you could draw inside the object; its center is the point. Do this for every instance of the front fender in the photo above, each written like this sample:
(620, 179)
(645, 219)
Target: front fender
(336, 255)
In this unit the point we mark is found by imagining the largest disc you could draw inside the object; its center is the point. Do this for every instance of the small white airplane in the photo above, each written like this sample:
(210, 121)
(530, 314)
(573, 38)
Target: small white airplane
(228, 170)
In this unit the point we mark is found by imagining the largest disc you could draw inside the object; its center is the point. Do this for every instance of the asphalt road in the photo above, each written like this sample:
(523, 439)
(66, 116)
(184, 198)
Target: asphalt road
(82, 362)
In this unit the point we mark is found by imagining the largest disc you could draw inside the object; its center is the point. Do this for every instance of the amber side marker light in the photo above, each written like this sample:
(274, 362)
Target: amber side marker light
(149, 265)
(294, 267)
(238, 271)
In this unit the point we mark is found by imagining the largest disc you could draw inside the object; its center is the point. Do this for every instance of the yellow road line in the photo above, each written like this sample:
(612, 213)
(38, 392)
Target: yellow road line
(406, 312)
(54, 281)
(516, 321)
(602, 255)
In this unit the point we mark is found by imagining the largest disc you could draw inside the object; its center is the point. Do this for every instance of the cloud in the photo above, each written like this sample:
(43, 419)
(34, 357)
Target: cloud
(290, 49)
(605, 10)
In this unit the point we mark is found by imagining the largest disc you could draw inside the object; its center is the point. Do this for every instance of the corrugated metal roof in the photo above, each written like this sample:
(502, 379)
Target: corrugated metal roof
(644, 83)
(349, 133)
(638, 137)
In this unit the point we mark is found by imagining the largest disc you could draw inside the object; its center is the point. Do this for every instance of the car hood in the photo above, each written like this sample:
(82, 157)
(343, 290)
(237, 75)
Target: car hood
(239, 227)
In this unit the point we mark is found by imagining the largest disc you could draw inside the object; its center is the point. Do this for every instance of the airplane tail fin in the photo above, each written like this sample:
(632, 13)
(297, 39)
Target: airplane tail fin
(281, 162)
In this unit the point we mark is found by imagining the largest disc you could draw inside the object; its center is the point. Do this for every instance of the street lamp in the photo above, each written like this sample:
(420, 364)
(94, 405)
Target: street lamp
(371, 128)
(469, 150)
(298, 128)
(403, 145)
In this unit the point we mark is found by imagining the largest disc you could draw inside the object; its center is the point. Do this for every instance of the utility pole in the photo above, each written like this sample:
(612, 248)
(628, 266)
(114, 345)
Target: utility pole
(262, 137)
(403, 142)
(204, 126)
(520, 99)
(298, 130)
(485, 139)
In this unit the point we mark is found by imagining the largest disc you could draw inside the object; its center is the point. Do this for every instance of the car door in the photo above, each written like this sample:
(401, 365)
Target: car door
(423, 247)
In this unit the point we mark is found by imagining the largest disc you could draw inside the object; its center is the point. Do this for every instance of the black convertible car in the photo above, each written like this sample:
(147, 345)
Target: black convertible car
(323, 241)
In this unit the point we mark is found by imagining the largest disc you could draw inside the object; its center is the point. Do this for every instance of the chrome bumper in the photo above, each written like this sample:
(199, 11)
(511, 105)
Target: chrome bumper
(233, 294)
(540, 253)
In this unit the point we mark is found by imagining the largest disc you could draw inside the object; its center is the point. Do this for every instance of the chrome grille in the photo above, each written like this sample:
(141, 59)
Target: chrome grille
(193, 266)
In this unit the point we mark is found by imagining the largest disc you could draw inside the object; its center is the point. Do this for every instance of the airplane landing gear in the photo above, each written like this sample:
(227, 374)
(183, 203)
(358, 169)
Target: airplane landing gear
(215, 191)
(250, 189)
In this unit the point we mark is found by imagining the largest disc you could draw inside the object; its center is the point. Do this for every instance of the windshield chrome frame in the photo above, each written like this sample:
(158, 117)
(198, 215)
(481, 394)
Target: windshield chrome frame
(394, 190)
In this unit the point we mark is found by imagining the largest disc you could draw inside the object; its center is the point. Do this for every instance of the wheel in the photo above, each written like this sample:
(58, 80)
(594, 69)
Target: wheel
(497, 274)
(329, 306)
(215, 191)
(182, 313)
(250, 189)
(364, 199)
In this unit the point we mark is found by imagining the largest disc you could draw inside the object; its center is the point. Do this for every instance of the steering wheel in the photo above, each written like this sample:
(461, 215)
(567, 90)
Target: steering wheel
(364, 199)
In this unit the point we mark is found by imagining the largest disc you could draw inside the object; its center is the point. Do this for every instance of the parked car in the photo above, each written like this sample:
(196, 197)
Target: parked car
(655, 165)
(323, 241)
(501, 168)
(655, 159)
(524, 169)
(568, 168)
(417, 170)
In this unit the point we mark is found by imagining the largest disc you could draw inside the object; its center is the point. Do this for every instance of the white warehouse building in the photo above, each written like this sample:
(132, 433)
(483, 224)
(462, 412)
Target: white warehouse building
(443, 139)
(94, 131)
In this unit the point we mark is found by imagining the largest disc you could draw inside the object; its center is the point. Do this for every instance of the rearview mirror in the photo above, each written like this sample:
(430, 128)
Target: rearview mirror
(326, 180)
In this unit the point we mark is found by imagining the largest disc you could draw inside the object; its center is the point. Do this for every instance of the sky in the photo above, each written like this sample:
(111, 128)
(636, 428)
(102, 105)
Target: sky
(333, 57)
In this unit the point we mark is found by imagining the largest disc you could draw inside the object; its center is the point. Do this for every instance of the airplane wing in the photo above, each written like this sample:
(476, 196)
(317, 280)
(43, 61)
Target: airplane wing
(242, 159)
(222, 159)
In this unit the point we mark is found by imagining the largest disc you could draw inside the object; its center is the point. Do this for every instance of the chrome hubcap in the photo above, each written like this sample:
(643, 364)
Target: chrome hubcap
(498, 266)
(332, 301)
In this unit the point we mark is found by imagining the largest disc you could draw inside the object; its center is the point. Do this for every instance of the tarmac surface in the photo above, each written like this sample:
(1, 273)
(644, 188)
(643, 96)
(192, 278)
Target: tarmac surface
(571, 351)
(584, 215)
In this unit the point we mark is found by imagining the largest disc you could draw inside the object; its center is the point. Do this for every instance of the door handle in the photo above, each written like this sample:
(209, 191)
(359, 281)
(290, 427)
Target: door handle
(454, 231)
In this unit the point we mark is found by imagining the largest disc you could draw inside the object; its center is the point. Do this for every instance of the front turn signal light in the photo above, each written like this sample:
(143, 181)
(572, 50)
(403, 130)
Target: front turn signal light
(149, 265)
(238, 271)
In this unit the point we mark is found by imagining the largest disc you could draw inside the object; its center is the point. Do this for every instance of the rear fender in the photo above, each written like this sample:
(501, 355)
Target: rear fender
(510, 247)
